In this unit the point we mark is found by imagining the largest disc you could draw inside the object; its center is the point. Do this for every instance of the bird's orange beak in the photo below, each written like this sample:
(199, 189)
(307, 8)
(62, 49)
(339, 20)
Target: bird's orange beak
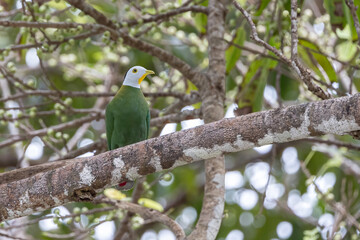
(147, 72)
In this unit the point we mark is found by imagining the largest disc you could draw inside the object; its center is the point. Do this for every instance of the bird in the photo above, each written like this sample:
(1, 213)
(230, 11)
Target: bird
(127, 116)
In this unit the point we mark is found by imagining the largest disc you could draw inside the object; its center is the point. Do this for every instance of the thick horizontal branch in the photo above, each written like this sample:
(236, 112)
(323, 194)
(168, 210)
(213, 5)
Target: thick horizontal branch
(25, 191)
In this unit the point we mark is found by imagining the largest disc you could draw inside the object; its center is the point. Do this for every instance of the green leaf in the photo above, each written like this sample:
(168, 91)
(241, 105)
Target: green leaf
(263, 5)
(178, 127)
(191, 87)
(254, 83)
(200, 22)
(349, 21)
(233, 53)
(230, 83)
(345, 33)
(112, 193)
(345, 51)
(149, 203)
(340, 17)
(289, 88)
(357, 4)
(160, 103)
(197, 105)
(331, 6)
(241, 2)
(201, 19)
(310, 57)
(104, 6)
(334, 162)
(57, 5)
(259, 93)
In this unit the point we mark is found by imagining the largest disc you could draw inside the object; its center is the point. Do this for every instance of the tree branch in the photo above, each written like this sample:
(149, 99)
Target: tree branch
(163, 16)
(57, 25)
(44, 131)
(193, 75)
(175, 117)
(213, 96)
(350, 167)
(185, 69)
(92, 12)
(148, 213)
(37, 188)
(59, 93)
(302, 72)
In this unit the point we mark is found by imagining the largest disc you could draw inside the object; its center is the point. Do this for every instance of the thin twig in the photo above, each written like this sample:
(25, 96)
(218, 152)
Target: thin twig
(57, 25)
(164, 16)
(10, 13)
(333, 142)
(33, 221)
(303, 73)
(88, 148)
(294, 36)
(11, 237)
(195, 76)
(176, 117)
(42, 132)
(336, 206)
(147, 213)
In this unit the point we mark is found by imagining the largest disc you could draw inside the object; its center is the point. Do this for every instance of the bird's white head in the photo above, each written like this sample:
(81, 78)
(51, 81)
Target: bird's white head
(135, 76)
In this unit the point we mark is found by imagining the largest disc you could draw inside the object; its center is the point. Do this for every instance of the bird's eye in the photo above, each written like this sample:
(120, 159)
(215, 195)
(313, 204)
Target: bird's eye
(134, 70)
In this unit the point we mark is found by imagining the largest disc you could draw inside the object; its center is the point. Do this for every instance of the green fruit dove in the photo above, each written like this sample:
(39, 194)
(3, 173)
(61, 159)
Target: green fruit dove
(127, 116)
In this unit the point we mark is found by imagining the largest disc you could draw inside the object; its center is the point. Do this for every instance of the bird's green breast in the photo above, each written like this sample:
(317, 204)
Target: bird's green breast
(127, 117)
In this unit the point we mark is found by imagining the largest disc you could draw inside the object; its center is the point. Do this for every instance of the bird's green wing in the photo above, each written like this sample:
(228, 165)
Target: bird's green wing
(148, 124)
(109, 120)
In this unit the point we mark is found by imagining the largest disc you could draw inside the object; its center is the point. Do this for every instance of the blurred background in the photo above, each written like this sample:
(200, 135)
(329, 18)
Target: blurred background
(55, 84)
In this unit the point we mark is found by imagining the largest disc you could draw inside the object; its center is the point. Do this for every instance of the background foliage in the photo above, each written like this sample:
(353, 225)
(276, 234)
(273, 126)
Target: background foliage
(297, 190)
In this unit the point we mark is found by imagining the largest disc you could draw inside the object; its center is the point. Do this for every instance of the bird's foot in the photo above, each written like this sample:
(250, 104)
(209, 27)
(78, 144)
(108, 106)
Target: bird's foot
(125, 186)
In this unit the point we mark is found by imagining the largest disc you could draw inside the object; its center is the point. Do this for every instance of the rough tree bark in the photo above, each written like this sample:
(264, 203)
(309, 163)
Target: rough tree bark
(25, 191)
(213, 96)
